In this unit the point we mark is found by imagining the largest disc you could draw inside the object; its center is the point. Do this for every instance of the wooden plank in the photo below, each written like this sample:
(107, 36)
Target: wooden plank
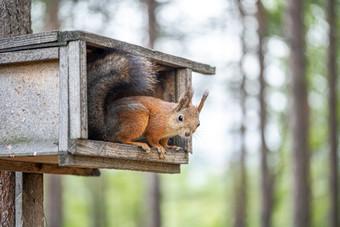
(28, 149)
(60, 38)
(29, 55)
(29, 102)
(162, 58)
(50, 159)
(18, 199)
(63, 99)
(111, 163)
(77, 89)
(33, 200)
(29, 167)
(125, 151)
(25, 40)
(183, 80)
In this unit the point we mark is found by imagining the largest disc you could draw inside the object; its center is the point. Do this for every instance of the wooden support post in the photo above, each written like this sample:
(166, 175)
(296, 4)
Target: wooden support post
(183, 81)
(29, 200)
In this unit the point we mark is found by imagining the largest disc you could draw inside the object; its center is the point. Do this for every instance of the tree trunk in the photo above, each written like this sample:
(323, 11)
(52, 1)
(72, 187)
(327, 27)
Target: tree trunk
(153, 212)
(332, 80)
(241, 181)
(53, 200)
(15, 20)
(51, 17)
(266, 177)
(299, 114)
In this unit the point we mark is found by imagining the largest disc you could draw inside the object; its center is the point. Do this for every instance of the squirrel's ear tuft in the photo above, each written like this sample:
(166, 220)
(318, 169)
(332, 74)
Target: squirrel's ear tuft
(204, 97)
(185, 100)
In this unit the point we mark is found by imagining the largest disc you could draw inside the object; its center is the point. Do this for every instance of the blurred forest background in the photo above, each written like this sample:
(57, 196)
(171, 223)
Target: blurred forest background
(266, 151)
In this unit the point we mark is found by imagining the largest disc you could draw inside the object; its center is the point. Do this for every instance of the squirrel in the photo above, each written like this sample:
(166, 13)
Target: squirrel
(113, 117)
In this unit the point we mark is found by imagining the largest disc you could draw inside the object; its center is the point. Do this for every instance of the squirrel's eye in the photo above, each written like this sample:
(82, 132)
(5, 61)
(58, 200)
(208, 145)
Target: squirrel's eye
(180, 118)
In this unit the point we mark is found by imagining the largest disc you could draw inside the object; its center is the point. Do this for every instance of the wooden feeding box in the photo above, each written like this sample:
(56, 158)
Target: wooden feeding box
(43, 106)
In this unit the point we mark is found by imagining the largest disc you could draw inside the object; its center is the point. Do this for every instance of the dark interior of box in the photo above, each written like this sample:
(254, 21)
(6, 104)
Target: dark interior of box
(165, 88)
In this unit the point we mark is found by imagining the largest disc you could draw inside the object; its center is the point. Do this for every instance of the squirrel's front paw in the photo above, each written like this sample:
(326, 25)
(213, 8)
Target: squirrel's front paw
(146, 148)
(161, 151)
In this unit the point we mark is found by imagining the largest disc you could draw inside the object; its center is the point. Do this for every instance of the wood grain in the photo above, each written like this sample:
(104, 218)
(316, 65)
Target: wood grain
(183, 81)
(63, 100)
(31, 39)
(29, 167)
(29, 55)
(32, 199)
(28, 149)
(112, 163)
(77, 89)
(125, 152)
(162, 58)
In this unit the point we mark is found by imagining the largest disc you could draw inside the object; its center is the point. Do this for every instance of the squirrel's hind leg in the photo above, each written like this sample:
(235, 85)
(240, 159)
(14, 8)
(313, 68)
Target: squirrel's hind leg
(164, 143)
(132, 124)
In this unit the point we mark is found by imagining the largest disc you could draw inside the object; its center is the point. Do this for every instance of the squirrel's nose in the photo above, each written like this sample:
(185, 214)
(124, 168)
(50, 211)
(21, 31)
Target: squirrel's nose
(187, 134)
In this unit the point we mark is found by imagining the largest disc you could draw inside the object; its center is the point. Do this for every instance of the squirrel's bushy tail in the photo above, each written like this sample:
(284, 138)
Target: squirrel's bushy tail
(111, 74)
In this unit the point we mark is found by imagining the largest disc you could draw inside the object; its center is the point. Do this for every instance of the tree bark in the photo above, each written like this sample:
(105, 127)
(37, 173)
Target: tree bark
(15, 20)
(332, 81)
(241, 181)
(266, 177)
(299, 114)
(7, 198)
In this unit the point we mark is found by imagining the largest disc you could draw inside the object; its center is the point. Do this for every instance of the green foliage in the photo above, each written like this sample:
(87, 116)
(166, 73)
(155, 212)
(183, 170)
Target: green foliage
(122, 193)
(189, 203)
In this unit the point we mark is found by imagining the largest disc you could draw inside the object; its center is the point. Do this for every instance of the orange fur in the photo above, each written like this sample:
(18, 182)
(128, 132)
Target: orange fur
(154, 119)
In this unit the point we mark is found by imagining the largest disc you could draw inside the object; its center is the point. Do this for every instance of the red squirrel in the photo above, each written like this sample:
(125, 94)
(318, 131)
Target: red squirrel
(115, 118)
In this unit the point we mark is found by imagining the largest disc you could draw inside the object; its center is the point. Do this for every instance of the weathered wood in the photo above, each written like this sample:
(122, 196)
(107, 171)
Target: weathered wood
(50, 159)
(125, 151)
(29, 102)
(29, 167)
(28, 149)
(183, 81)
(63, 99)
(111, 163)
(166, 59)
(77, 89)
(26, 40)
(60, 38)
(32, 200)
(18, 199)
(29, 55)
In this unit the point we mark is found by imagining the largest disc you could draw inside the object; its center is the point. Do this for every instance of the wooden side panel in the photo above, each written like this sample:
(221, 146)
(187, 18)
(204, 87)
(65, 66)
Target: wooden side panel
(28, 149)
(63, 100)
(183, 80)
(28, 40)
(29, 55)
(29, 102)
(77, 89)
